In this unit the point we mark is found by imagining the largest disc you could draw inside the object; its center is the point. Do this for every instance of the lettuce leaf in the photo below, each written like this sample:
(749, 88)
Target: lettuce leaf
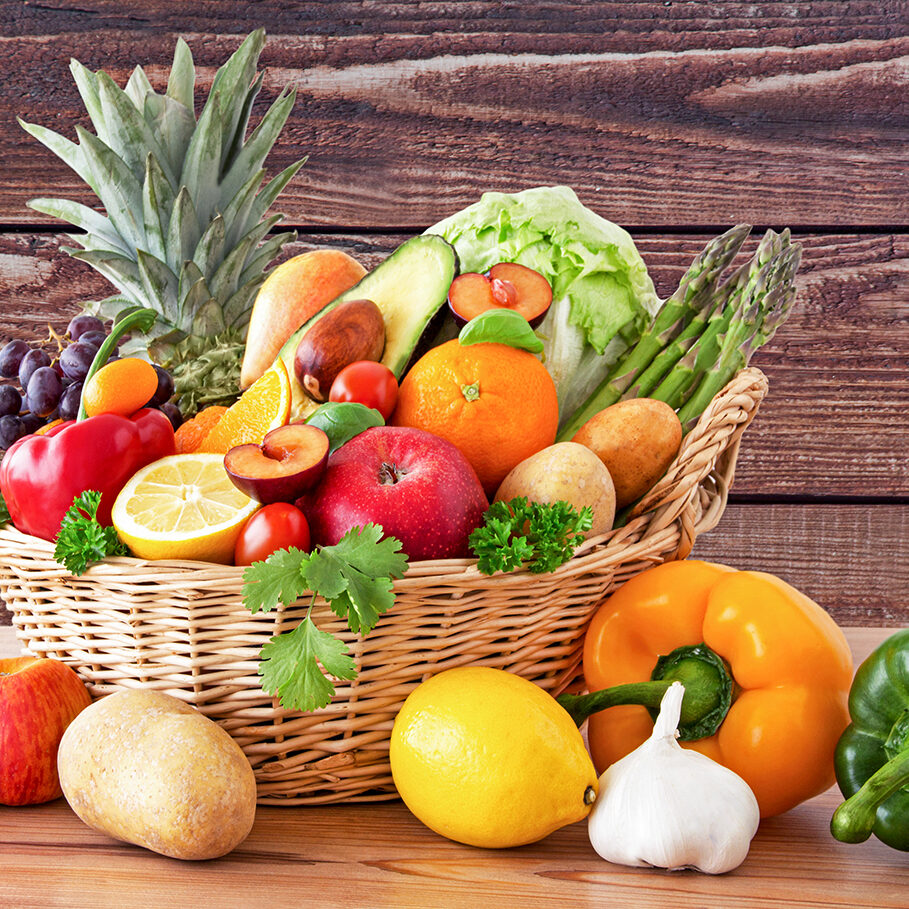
(603, 296)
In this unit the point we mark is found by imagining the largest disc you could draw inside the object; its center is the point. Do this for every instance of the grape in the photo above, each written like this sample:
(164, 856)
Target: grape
(10, 358)
(76, 360)
(10, 400)
(43, 392)
(31, 421)
(11, 430)
(79, 325)
(95, 338)
(165, 387)
(69, 401)
(33, 360)
(172, 412)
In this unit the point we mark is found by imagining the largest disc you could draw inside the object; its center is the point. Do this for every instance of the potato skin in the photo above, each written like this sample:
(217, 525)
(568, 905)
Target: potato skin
(637, 440)
(565, 472)
(144, 767)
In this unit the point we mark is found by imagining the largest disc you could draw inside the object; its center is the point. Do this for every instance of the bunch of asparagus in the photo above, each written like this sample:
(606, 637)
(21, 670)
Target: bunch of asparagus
(706, 331)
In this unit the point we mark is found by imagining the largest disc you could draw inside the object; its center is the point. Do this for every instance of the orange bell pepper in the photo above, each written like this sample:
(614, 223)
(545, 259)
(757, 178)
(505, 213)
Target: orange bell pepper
(770, 702)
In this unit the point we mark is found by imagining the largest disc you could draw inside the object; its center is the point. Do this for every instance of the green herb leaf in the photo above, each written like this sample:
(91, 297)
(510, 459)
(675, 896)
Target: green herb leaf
(354, 576)
(4, 511)
(82, 540)
(341, 421)
(290, 666)
(501, 326)
(534, 535)
(279, 579)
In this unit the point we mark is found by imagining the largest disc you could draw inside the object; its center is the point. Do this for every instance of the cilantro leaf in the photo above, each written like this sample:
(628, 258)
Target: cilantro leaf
(289, 666)
(279, 579)
(355, 575)
(518, 533)
(82, 540)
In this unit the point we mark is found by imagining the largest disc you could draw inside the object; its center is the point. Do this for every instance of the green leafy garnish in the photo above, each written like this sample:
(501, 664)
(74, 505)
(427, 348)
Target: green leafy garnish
(501, 326)
(82, 540)
(4, 511)
(534, 535)
(342, 420)
(355, 576)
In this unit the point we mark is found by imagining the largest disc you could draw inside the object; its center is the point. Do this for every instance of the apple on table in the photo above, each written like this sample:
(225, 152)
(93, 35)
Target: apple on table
(39, 698)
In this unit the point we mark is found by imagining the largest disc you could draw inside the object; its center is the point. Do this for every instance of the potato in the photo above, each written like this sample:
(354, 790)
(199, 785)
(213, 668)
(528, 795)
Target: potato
(637, 440)
(144, 767)
(565, 472)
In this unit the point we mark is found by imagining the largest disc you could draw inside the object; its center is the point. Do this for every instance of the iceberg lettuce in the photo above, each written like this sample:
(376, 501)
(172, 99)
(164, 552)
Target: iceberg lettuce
(603, 296)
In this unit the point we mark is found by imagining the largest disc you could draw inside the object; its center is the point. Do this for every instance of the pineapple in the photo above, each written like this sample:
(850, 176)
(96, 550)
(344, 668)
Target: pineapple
(185, 227)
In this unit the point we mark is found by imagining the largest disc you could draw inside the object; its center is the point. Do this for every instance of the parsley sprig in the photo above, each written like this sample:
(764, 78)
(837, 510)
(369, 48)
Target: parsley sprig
(355, 576)
(4, 511)
(534, 535)
(82, 540)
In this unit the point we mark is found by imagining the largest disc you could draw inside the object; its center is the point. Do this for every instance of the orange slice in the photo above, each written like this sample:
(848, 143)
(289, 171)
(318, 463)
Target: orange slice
(264, 406)
(190, 433)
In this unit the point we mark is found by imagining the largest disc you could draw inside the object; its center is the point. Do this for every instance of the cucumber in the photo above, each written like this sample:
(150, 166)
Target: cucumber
(409, 288)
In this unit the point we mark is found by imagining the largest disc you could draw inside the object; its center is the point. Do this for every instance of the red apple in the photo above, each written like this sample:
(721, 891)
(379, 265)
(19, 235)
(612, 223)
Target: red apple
(505, 286)
(39, 698)
(420, 488)
(289, 461)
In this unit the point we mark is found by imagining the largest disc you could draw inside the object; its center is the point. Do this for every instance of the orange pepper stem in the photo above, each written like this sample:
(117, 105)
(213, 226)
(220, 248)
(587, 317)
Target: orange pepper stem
(708, 692)
(140, 318)
(854, 820)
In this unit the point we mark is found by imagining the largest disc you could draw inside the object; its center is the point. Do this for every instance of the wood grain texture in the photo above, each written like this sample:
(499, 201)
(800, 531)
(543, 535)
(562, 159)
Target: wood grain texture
(673, 121)
(835, 420)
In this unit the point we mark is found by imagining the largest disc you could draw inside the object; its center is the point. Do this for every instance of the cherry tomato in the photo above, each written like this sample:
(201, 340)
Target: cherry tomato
(366, 382)
(275, 526)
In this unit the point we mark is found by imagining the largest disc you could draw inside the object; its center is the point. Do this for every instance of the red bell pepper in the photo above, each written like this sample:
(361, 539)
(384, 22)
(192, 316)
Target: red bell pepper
(40, 475)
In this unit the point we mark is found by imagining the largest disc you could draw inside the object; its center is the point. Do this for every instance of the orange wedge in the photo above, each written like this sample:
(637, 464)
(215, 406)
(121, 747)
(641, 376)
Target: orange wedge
(264, 406)
(190, 433)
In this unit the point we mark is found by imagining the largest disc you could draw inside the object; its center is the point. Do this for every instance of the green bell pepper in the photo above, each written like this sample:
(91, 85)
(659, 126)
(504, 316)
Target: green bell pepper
(872, 756)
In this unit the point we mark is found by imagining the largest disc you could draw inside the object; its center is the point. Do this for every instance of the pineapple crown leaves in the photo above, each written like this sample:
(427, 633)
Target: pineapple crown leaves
(184, 201)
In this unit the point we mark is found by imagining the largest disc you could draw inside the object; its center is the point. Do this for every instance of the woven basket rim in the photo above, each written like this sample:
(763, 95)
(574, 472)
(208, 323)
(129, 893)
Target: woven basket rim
(730, 411)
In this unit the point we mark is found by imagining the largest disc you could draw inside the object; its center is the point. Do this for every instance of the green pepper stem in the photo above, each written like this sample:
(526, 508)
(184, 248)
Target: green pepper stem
(854, 820)
(708, 692)
(140, 318)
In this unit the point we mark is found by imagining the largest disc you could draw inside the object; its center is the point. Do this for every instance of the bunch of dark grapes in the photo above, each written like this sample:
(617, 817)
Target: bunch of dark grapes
(50, 384)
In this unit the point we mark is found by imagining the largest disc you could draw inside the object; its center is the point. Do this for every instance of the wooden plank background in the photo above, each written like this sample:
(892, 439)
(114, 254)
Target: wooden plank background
(675, 120)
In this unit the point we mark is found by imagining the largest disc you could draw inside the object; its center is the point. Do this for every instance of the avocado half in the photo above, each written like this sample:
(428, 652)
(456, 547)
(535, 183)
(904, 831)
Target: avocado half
(409, 288)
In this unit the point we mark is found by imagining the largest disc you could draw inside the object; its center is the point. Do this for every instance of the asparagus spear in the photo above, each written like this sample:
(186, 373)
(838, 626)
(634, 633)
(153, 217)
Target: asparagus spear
(755, 285)
(694, 293)
(770, 245)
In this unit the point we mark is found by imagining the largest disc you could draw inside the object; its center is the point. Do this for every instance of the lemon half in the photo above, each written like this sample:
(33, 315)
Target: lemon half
(182, 507)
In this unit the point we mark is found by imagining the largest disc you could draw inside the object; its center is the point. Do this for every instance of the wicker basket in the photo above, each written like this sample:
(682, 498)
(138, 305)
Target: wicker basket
(180, 627)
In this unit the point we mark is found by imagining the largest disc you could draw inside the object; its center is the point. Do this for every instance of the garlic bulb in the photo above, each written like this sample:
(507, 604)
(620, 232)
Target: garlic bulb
(670, 807)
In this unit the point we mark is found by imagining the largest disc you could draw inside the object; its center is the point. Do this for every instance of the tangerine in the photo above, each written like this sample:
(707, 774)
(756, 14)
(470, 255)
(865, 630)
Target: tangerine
(496, 403)
(190, 434)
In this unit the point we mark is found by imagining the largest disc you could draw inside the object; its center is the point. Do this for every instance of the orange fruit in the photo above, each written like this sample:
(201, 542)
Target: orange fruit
(43, 429)
(122, 387)
(494, 402)
(264, 406)
(190, 434)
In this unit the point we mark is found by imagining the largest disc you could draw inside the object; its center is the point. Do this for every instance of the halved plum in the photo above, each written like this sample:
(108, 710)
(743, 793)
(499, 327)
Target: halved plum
(505, 286)
(289, 462)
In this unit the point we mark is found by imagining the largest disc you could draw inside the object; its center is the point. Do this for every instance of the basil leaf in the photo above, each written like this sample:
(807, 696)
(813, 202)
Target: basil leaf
(501, 326)
(341, 421)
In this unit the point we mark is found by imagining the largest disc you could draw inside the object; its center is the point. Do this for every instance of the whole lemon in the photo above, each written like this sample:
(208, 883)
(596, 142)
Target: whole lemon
(487, 758)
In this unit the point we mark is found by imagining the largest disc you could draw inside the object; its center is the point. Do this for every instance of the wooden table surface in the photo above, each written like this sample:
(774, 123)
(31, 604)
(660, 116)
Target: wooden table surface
(379, 854)
(675, 120)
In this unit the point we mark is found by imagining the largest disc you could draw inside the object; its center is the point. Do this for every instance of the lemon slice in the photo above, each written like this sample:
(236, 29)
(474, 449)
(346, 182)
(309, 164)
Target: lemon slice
(182, 507)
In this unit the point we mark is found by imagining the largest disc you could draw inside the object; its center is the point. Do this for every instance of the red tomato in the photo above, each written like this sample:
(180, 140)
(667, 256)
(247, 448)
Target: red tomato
(366, 382)
(275, 526)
